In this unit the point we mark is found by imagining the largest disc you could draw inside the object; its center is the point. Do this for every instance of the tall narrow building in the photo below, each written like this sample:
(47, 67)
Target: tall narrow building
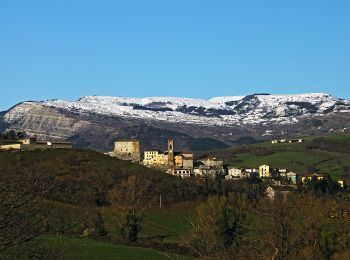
(171, 152)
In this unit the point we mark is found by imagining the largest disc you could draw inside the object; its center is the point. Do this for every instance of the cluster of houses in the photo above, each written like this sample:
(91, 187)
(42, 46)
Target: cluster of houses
(264, 171)
(276, 175)
(32, 143)
(277, 141)
(183, 164)
(176, 163)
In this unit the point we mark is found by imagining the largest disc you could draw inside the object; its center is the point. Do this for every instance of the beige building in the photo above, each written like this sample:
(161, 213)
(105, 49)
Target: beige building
(341, 183)
(264, 171)
(169, 158)
(13, 146)
(127, 150)
(235, 172)
(309, 177)
(187, 160)
(155, 158)
(213, 162)
(178, 160)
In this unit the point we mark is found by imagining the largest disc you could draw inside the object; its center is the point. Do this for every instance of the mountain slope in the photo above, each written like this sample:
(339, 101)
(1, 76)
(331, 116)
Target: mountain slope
(95, 122)
(251, 109)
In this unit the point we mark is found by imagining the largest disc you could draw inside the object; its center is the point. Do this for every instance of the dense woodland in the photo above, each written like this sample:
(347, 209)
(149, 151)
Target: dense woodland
(323, 143)
(63, 192)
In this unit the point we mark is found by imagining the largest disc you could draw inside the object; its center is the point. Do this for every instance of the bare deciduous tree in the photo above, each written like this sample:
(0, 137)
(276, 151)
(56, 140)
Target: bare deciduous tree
(130, 198)
(218, 226)
(21, 213)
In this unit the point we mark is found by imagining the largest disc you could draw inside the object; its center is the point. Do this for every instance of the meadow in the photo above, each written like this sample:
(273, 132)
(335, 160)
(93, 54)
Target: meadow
(297, 157)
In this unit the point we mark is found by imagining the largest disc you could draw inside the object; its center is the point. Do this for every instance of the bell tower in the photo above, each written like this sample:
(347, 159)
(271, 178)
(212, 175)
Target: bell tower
(170, 152)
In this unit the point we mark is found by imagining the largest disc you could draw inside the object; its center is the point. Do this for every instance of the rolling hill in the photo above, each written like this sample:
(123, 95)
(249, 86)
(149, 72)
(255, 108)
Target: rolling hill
(329, 154)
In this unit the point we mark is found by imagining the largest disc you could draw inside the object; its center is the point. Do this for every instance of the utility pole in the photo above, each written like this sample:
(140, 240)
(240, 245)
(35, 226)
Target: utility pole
(160, 200)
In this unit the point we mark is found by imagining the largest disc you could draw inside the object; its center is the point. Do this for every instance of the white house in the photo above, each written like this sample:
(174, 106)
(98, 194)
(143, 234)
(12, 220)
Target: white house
(235, 172)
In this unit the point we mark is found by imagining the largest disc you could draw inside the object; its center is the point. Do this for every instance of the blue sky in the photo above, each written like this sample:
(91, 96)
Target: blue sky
(66, 49)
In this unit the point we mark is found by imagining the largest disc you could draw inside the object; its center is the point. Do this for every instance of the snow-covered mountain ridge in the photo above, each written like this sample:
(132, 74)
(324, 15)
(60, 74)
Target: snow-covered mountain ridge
(95, 122)
(232, 110)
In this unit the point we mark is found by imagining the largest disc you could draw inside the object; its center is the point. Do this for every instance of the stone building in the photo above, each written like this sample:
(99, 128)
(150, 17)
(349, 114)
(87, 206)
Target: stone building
(235, 172)
(213, 162)
(127, 150)
(170, 159)
(209, 167)
(187, 160)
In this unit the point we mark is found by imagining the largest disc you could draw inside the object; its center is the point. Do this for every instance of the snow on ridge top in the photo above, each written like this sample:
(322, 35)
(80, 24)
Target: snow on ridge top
(226, 110)
(144, 100)
(172, 102)
(316, 94)
(281, 97)
(306, 96)
(91, 102)
(224, 99)
(180, 101)
(109, 104)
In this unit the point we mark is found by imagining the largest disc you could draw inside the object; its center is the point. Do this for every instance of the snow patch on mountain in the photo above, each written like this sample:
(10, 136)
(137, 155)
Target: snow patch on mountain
(229, 110)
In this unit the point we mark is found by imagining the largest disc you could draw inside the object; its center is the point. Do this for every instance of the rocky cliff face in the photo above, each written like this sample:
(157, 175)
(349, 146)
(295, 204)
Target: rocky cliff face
(96, 122)
(94, 131)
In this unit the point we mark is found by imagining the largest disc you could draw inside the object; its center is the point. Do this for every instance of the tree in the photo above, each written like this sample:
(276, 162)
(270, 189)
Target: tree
(11, 135)
(22, 217)
(218, 226)
(130, 198)
(271, 228)
(297, 226)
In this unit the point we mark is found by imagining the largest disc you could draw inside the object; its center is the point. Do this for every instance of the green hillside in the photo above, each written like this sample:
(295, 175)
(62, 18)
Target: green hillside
(80, 181)
(88, 249)
(78, 220)
(317, 154)
(81, 175)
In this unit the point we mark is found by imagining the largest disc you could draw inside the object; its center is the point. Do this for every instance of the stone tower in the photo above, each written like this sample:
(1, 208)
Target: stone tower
(171, 152)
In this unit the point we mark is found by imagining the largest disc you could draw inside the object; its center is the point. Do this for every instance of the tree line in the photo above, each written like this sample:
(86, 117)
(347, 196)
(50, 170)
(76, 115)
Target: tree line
(293, 226)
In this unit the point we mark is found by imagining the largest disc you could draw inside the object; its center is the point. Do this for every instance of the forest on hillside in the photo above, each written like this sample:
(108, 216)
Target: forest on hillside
(84, 194)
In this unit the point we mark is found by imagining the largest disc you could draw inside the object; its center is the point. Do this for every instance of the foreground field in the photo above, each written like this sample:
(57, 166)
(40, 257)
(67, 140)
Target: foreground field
(78, 248)
(166, 225)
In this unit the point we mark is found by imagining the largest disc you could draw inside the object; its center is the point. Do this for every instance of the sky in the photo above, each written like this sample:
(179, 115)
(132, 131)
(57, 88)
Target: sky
(189, 48)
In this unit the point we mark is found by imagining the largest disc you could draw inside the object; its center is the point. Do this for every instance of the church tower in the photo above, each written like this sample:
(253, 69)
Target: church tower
(171, 152)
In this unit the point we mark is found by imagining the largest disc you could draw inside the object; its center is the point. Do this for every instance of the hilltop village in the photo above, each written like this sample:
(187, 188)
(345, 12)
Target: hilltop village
(184, 165)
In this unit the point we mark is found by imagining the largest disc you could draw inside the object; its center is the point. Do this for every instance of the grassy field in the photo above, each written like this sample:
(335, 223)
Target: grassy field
(166, 225)
(79, 248)
(296, 157)
(169, 225)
